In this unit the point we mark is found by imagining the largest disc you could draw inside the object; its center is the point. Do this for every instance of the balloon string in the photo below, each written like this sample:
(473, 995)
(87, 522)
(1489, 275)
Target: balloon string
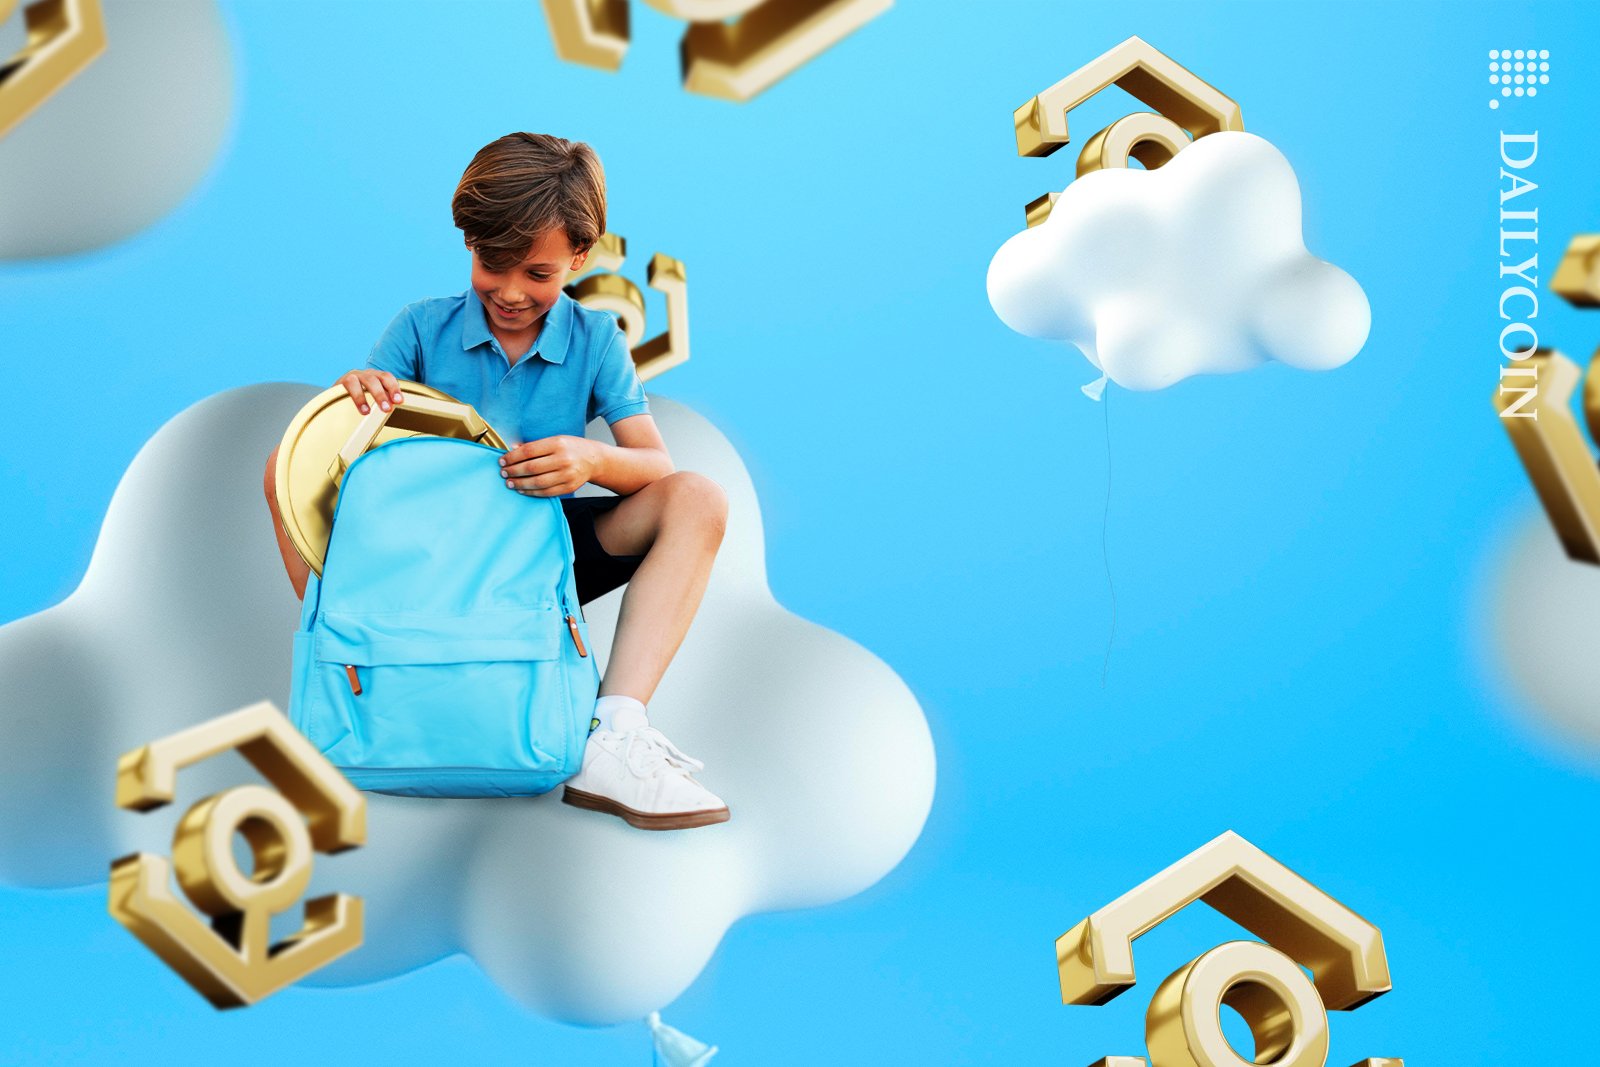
(1105, 548)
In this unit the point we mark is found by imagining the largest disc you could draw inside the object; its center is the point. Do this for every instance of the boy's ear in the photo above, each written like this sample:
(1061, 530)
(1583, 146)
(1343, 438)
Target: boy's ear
(578, 260)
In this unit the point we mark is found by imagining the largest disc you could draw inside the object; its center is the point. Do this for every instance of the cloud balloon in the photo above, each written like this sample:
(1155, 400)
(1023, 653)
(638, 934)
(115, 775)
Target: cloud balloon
(1196, 267)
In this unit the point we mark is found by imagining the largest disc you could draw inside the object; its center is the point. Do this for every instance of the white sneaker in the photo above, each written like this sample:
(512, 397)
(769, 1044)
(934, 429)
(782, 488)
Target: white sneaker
(632, 771)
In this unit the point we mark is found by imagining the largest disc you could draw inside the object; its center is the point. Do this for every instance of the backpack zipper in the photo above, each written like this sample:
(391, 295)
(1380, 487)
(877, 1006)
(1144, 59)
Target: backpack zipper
(572, 563)
(350, 676)
(577, 642)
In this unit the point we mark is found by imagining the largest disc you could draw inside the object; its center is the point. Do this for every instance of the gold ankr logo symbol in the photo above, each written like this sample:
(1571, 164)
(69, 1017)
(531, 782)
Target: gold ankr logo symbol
(228, 957)
(1302, 927)
(733, 49)
(1186, 109)
(1533, 398)
(612, 292)
(63, 37)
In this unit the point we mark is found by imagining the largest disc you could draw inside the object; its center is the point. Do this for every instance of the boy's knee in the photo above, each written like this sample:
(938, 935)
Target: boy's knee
(699, 496)
(269, 480)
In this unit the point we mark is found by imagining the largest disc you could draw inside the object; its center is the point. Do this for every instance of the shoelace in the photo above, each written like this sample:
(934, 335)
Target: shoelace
(655, 754)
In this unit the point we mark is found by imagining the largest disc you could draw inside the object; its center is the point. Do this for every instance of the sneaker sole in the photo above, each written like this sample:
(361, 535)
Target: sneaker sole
(644, 820)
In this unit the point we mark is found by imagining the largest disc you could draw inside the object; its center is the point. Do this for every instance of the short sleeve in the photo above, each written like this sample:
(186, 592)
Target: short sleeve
(617, 391)
(399, 350)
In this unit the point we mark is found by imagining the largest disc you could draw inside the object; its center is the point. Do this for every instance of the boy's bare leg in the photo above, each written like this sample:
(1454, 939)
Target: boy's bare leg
(299, 573)
(677, 524)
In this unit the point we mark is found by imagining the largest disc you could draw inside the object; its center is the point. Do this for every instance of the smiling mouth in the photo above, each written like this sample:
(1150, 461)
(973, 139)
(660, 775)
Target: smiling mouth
(510, 311)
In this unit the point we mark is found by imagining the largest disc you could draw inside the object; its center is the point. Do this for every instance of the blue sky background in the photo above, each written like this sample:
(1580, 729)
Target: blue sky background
(1300, 560)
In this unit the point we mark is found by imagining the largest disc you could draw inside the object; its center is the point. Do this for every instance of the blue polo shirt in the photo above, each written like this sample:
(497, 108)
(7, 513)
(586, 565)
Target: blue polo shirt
(579, 369)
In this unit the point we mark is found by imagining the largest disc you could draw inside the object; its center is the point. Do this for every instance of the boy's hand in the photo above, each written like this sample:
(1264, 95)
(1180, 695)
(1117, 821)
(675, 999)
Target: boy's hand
(380, 384)
(550, 466)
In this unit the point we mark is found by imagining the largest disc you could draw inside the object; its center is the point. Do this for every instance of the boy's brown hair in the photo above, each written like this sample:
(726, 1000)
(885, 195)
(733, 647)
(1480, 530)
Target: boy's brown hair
(524, 184)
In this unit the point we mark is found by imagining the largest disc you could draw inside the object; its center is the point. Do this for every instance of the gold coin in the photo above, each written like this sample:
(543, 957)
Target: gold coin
(309, 466)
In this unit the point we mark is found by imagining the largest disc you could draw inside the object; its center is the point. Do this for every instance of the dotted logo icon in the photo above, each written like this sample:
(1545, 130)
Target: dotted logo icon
(1518, 72)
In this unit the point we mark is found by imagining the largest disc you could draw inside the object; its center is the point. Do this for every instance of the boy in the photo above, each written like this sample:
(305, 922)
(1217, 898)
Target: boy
(538, 365)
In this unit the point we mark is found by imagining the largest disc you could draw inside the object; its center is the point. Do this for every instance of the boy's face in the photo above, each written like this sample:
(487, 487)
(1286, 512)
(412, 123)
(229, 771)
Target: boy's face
(514, 299)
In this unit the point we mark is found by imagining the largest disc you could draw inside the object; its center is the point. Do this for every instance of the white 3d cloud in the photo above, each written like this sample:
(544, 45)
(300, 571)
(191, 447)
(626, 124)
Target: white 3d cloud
(185, 613)
(1546, 617)
(120, 145)
(1196, 267)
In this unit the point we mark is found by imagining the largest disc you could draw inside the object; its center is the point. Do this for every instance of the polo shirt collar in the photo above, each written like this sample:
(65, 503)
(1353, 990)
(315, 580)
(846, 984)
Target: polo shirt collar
(554, 338)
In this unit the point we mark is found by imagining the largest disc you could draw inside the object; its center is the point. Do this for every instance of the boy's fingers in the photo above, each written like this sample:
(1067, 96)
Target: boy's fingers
(352, 385)
(527, 488)
(529, 468)
(538, 484)
(513, 456)
(524, 454)
(374, 384)
(549, 481)
(391, 384)
(543, 446)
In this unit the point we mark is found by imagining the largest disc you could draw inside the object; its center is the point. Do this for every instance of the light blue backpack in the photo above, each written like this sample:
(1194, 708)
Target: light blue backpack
(443, 652)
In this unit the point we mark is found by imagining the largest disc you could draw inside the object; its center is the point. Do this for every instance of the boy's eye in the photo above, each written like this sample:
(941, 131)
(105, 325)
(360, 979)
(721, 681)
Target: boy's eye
(538, 277)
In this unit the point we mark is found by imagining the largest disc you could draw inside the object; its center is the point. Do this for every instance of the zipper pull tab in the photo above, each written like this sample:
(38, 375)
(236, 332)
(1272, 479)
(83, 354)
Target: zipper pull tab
(577, 642)
(350, 676)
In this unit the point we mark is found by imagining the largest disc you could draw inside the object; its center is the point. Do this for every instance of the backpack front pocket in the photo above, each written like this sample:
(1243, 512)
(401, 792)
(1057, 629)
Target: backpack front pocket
(320, 716)
(413, 690)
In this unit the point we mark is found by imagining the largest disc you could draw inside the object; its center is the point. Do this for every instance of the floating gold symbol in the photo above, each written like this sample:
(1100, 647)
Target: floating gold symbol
(1186, 108)
(1286, 1011)
(736, 60)
(231, 959)
(1533, 399)
(1577, 277)
(614, 293)
(64, 36)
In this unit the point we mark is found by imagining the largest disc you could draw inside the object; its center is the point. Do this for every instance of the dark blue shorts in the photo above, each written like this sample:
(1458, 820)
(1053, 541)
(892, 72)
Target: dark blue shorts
(597, 571)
